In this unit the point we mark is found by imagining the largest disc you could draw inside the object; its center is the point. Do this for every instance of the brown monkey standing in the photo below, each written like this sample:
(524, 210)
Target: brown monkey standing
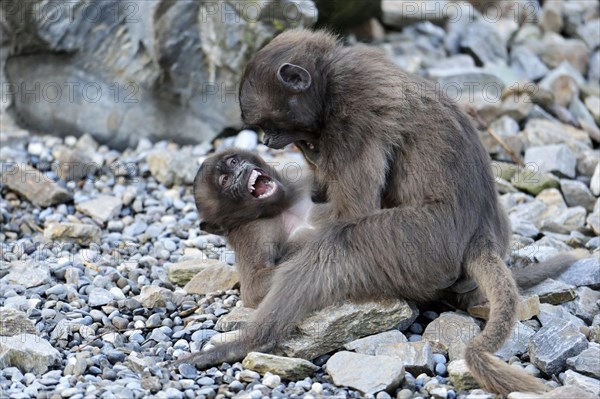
(379, 137)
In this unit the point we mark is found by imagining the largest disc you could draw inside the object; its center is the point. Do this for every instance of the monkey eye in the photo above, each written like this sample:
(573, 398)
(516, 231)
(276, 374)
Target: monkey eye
(231, 162)
(223, 180)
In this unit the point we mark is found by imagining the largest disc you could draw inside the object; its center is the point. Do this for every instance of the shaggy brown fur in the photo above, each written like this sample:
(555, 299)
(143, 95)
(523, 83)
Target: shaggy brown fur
(378, 137)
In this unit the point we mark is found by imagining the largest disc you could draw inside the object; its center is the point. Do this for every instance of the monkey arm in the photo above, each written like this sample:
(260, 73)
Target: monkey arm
(354, 179)
(257, 246)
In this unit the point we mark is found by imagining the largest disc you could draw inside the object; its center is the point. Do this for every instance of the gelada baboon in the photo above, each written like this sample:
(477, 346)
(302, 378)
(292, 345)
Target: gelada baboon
(379, 137)
(263, 216)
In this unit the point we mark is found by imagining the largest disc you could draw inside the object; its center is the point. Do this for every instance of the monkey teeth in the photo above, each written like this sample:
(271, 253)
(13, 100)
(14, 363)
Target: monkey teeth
(271, 187)
(260, 184)
(253, 176)
(310, 145)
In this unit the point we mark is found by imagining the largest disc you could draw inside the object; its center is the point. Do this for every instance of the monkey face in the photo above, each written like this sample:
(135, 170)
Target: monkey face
(284, 100)
(235, 187)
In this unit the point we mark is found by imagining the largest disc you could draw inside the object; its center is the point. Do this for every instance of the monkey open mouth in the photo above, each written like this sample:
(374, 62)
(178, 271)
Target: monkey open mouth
(260, 184)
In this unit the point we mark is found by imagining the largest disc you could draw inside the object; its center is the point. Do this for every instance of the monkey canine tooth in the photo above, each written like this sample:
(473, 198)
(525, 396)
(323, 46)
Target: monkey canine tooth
(252, 179)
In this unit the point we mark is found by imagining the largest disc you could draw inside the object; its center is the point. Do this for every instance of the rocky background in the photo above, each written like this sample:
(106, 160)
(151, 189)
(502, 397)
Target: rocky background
(105, 275)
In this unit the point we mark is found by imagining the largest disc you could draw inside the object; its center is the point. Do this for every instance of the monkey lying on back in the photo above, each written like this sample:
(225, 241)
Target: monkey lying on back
(263, 216)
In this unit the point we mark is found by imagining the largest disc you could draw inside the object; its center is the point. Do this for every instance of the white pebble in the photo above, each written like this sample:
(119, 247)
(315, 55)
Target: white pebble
(246, 140)
(271, 380)
(317, 388)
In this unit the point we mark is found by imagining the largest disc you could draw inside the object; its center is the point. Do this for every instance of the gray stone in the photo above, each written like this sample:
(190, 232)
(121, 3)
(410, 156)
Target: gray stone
(517, 343)
(33, 185)
(552, 158)
(15, 322)
(246, 140)
(564, 82)
(588, 384)
(460, 376)
(84, 234)
(569, 392)
(27, 273)
(553, 344)
(593, 221)
(416, 356)
(550, 314)
(102, 208)
(334, 326)
(214, 277)
(556, 50)
(527, 63)
(367, 374)
(181, 273)
(595, 182)
(29, 353)
(552, 291)
(540, 132)
(484, 44)
(285, 367)
(589, 32)
(72, 164)
(585, 272)
(587, 362)
(551, 19)
(368, 345)
(451, 332)
(585, 306)
(576, 193)
(152, 296)
(99, 297)
(234, 320)
(533, 181)
(101, 68)
(172, 167)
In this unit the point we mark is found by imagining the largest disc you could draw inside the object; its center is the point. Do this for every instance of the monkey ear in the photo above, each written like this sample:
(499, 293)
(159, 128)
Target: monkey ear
(294, 77)
(212, 228)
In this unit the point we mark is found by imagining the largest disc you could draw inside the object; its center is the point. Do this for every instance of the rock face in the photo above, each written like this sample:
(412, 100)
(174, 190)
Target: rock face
(585, 272)
(334, 326)
(15, 322)
(156, 69)
(517, 342)
(27, 352)
(234, 320)
(552, 345)
(101, 209)
(35, 186)
(83, 234)
(216, 277)
(417, 357)
(451, 332)
(587, 362)
(553, 292)
(368, 374)
(368, 345)
(285, 367)
(461, 377)
(181, 273)
(588, 384)
(27, 274)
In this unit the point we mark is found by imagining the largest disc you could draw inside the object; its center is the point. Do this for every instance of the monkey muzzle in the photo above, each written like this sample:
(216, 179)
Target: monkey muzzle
(261, 185)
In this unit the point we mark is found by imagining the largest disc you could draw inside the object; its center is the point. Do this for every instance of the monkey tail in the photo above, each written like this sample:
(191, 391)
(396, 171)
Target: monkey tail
(495, 280)
(535, 274)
